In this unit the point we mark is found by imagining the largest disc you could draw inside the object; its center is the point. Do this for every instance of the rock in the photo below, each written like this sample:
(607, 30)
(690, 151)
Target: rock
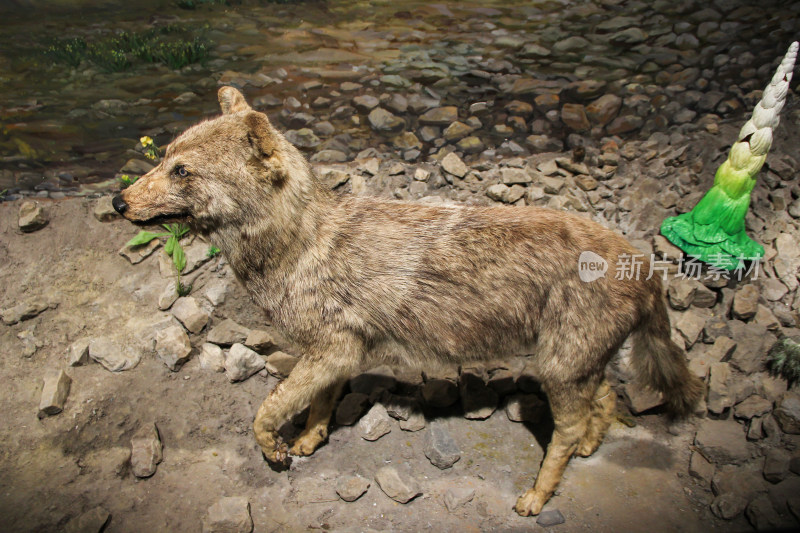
(456, 497)
(228, 515)
(242, 362)
(574, 116)
(728, 506)
(552, 517)
(511, 176)
(104, 211)
(762, 516)
(704, 297)
(604, 109)
(375, 379)
(190, 314)
(681, 293)
(398, 407)
(365, 103)
(456, 130)
(776, 465)
(112, 356)
(382, 120)
(753, 406)
(23, 311)
(722, 349)
(260, 341)
(624, 124)
(351, 488)
(407, 141)
(440, 391)
(477, 399)
(351, 408)
(137, 254)
(722, 442)
(280, 364)
(227, 333)
(745, 302)
(196, 256)
(700, 468)
(470, 145)
(452, 164)
(145, 451)
(787, 413)
(173, 347)
(375, 424)
(718, 397)
(751, 340)
(439, 116)
(439, 447)
(54, 393)
(642, 399)
(32, 217)
(168, 296)
(216, 291)
(92, 521)
(78, 352)
(398, 487)
(212, 358)
(525, 408)
(415, 422)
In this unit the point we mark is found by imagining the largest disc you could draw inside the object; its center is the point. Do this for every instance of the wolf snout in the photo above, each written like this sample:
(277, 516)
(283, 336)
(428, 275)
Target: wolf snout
(119, 204)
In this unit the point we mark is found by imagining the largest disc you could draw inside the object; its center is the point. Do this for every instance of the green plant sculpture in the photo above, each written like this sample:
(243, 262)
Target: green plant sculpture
(714, 231)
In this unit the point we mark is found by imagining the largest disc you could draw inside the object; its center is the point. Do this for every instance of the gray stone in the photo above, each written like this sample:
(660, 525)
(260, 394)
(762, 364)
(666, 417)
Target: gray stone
(452, 164)
(351, 488)
(375, 379)
(350, 409)
(228, 515)
(700, 468)
(32, 217)
(261, 341)
(112, 356)
(728, 506)
(722, 442)
(525, 408)
(745, 302)
(385, 121)
(691, 324)
(398, 487)
(511, 176)
(477, 399)
(787, 413)
(375, 424)
(642, 399)
(168, 296)
(439, 116)
(212, 358)
(78, 352)
(398, 407)
(718, 397)
(196, 256)
(604, 109)
(415, 422)
(146, 451)
(365, 103)
(439, 446)
(551, 517)
(776, 465)
(762, 515)
(54, 393)
(456, 130)
(104, 211)
(722, 349)
(753, 406)
(190, 314)
(280, 364)
(23, 311)
(92, 521)
(173, 347)
(242, 362)
(440, 391)
(751, 340)
(456, 497)
(137, 254)
(227, 333)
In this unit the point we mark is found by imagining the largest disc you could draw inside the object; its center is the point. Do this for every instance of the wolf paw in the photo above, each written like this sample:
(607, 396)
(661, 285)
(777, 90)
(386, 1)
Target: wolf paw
(530, 503)
(278, 454)
(307, 443)
(587, 447)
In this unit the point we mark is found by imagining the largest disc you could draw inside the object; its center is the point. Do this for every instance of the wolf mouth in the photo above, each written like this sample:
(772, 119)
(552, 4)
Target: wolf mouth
(163, 219)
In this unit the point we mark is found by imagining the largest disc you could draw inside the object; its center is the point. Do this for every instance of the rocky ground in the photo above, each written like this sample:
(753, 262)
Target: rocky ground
(128, 406)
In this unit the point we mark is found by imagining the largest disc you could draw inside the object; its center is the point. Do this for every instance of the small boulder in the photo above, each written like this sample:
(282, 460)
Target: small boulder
(212, 358)
(228, 515)
(398, 487)
(104, 211)
(280, 364)
(242, 362)
(787, 413)
(350, 409)
(375, 424)
(351, 488)
(145, 451)
(54, 393)
(456, 497)
(32, 217)
(190, 314)
(173, 347)
(227, 333)
(439, 447)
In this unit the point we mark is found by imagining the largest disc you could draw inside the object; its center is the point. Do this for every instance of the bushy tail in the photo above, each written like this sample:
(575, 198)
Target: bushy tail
(661, 364)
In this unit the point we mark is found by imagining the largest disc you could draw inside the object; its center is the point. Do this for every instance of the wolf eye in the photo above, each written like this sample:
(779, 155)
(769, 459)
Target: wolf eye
(181, 171)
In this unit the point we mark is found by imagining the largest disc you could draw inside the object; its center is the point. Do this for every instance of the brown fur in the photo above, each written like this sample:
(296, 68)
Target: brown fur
(354, 282)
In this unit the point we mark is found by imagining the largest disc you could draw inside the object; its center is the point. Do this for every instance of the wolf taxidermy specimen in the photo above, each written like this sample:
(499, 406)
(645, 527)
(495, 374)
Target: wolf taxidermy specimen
(354, 282)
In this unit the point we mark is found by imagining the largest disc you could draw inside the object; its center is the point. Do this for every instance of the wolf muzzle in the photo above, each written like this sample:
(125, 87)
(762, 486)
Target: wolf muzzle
(119, 204)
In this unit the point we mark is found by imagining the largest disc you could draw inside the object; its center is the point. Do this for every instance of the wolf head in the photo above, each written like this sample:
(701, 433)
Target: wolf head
(228, 171)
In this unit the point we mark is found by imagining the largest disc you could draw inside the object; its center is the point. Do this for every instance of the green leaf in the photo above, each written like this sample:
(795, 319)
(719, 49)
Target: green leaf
(179, 230)
(143, 237)
(178, 257)
(170, 246)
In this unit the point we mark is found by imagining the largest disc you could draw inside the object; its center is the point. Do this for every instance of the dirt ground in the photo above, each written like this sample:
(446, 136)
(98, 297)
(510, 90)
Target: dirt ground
(53, 469)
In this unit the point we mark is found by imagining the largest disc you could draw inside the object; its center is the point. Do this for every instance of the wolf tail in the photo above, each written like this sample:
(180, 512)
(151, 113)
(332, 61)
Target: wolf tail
(661, 364)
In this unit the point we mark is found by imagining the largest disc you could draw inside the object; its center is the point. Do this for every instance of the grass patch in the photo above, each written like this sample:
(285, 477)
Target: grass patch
(194, 4)
(169, 45)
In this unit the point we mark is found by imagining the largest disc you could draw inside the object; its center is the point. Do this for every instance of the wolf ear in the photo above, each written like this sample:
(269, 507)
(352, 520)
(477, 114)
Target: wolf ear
(231, 101)
(260, 133)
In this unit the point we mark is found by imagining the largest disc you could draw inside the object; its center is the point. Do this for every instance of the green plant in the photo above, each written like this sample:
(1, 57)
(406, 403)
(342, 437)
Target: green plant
(213, 251)
(194, 4)
(126, 180)
(149, 148)
(70, 51)
(783, 359)
(172, 247)
(3, 193)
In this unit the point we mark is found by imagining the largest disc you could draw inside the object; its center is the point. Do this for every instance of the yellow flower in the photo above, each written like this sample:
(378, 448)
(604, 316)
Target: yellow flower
(146, 141)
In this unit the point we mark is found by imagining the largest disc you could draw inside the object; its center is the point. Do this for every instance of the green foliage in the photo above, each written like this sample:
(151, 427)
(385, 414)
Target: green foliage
(172, 247)
(783, 359)
(181, 289)
(126, 180)
(194, 4)
(170, 45)
(213, 251)
(3, 193)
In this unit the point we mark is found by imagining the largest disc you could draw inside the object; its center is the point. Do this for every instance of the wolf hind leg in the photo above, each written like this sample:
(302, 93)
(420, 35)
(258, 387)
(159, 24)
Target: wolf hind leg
(603, 406)
(319, 416)
(570, 404)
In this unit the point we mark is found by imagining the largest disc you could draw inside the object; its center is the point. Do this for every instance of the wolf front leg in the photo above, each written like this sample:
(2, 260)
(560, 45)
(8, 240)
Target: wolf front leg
(319, 416)
(313, 376)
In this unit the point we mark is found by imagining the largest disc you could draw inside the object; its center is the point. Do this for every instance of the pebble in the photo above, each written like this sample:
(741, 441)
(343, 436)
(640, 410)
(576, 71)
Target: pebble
(456, 497)
(190, 314)
(92, 521)
(787, 413)
(452, 164)
(400, 488)
(114, 357)
(173, 347)
(745, 302)
(525, 408)
(280, 364)
(212, 358)
(32, 217)
(350, 408)
(137, 254)
(384, 121)
(438, 116)
(722, 442)
(718, 397)
(762, 515)
(642, 399)
(242, 362)
(146, 451)
(227, 333)
(776, 465)
(753, 406)
(375, 424)
(78, 352)
(351, 488)
(415, 422)
(54, 393)
(23, 311)
(550, 518)
(104, 211)
(439, 446)
(228, 515)
(700, 468)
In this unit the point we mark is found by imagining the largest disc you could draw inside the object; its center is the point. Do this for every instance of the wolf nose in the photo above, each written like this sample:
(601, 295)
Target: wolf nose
(119, 204)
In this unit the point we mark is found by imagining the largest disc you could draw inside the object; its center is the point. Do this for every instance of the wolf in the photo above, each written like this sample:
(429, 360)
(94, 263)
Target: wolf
(353, 282)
